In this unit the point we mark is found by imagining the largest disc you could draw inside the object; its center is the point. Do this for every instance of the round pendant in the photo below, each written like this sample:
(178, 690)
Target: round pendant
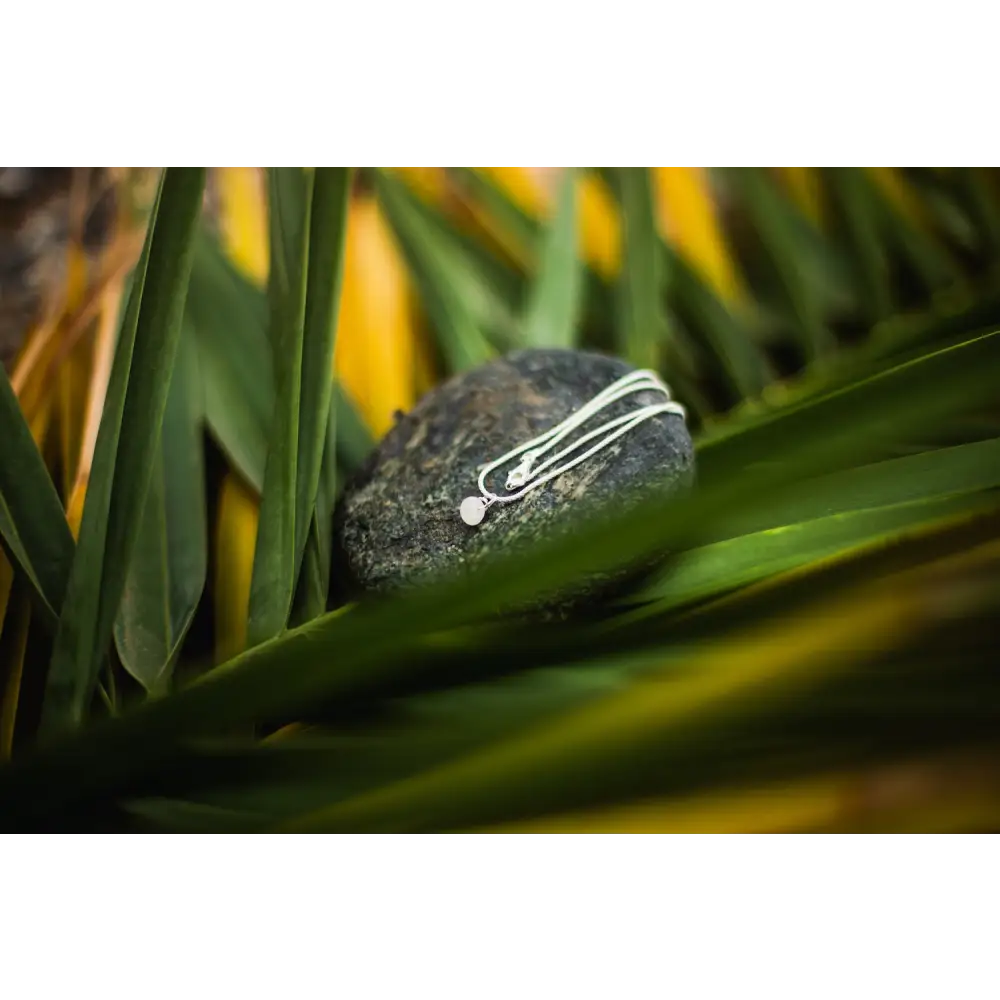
(472, 510)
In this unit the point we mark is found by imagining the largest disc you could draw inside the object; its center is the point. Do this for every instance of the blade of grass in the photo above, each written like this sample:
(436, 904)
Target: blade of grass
(354, 442)
(328, 225)
(169, 563)
(32, 523)
(554, 299)
(723, 566)
(762, 438)
(125, 451)
(314, 580)
(641, 322)
(926, 475)
(643, 332)
(275, 562)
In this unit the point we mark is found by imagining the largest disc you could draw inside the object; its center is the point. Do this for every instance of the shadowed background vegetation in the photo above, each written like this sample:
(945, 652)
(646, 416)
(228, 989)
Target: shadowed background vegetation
(198, 360)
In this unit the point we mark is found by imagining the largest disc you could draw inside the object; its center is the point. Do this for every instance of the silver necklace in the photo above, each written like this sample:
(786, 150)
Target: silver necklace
(526, 475)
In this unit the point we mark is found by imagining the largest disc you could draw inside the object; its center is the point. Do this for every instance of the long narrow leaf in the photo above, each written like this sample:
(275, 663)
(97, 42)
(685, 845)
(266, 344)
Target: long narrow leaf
(167, 572)
(32, 522)
(722, 566)
(275, 562)
(328, 225)
(314, 579)
(325, 274)
(554, 302)
(641, 324)
(125, 452)
(927, 475)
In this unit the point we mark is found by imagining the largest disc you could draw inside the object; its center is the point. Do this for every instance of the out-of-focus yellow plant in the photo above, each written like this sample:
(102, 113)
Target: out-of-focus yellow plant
(378, 356)
(243, 219)
(688, 219)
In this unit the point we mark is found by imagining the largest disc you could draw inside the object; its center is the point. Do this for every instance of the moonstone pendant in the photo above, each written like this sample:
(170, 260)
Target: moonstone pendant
(472, 510)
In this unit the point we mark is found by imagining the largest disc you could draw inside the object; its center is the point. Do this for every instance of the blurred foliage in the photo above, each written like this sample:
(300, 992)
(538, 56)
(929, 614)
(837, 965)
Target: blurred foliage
(812, 650)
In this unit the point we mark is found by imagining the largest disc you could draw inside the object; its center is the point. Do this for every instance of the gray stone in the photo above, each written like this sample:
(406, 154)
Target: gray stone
(397, 523)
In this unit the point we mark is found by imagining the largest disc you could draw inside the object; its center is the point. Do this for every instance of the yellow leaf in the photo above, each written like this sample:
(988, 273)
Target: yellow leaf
(39, 421)
(378, 352)
(73, 379)
(600, 228)
(243, 219)
(527, 187)
(101, 358)
(67, 319)
(687, 217)
(235, 539)
(37, 354)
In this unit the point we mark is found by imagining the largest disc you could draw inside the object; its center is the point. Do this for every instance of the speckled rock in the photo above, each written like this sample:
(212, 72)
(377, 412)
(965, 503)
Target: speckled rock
(397, 523)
